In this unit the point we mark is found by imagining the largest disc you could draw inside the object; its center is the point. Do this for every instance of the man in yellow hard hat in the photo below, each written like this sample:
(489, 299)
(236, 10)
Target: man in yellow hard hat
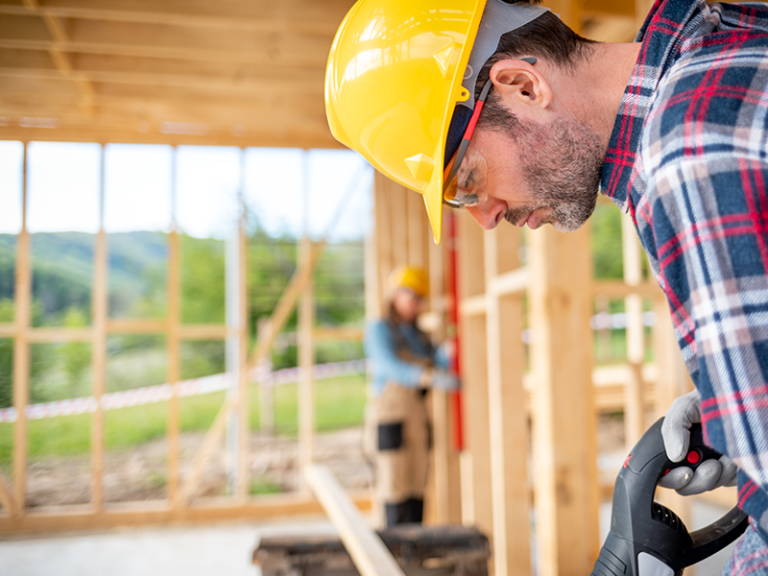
(499, 108)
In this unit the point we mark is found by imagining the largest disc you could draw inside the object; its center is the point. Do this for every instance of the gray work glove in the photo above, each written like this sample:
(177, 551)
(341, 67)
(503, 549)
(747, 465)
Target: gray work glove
(445, 380)
(711, 474)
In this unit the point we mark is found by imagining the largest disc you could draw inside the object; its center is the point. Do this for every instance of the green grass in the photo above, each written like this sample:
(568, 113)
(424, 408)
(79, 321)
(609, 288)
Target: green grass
(339, 403)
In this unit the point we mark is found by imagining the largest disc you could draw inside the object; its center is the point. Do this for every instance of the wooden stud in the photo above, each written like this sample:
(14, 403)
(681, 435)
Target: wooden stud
(99, 352)
(384, 215)
(565, 459)
(243, 477)
(306, 361)
(211, 440)
(634, 407)
(672, 381)
(476, 466)
(173, 341)
(368, 552)
(21, 353)
(507, 413)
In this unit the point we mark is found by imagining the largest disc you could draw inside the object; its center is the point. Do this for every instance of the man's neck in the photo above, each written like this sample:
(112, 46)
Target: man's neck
(594, 91)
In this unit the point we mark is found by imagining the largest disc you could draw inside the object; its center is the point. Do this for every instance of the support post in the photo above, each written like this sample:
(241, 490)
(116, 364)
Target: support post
(475, 466)
(507, 413)
(99, 352)
(306, 361)
(634, 395)
(173, 342)
(565, 467)
(237, 428)
(672, 381)
(21, 352)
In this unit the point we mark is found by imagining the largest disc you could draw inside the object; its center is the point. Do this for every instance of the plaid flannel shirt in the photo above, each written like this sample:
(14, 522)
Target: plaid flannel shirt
(688, 159)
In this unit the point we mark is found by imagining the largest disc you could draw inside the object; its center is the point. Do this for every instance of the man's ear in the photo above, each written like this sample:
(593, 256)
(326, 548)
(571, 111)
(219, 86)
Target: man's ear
(521, 81)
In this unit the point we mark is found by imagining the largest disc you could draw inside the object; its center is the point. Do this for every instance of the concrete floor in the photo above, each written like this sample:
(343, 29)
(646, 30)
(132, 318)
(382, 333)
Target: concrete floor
(219, 550)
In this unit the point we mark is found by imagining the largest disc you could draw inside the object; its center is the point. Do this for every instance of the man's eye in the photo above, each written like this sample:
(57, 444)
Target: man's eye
(469, 180)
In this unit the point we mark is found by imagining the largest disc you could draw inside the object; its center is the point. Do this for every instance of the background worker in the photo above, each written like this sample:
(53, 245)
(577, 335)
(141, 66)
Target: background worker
(500, 108)
(404, 364)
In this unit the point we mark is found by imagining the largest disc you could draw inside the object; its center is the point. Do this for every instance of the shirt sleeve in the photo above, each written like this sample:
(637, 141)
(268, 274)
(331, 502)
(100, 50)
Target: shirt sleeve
(387, 366)
(709, 216)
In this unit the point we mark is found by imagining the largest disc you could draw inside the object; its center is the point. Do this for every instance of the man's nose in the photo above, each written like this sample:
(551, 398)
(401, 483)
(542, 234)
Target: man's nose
(488, 214)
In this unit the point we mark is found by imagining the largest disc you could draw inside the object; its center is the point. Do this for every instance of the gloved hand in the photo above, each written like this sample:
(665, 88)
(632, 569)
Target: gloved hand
(445, 380)
(711, 474)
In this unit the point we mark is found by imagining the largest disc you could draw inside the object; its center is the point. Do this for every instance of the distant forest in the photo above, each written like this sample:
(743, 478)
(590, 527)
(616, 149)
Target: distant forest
(62, 279)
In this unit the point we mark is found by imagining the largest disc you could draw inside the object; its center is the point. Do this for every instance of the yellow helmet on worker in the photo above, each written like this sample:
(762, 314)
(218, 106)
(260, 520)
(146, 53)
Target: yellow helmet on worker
(400, 83)
(411, 277)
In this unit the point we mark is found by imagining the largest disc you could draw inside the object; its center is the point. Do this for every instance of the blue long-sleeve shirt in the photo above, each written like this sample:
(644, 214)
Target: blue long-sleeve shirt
(387, 366)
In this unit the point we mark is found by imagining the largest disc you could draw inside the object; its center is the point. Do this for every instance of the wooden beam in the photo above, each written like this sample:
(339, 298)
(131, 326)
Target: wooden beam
(634, 408)
(99, 351)
(620, 289)
(337, 333)
(62, 61)
(476, 458)
(510, 283)
(21, 354)
(6, 497)
(473, 306)
(672, 381)
(224, 85)
(210, 442)
(565, 460)
(507, 413)
(285, 305)
(306, 352)
(212, 138)
(146, 40)
(366, 549)
(173, 343)
(56, 334)
(303, 18)
(84, 517)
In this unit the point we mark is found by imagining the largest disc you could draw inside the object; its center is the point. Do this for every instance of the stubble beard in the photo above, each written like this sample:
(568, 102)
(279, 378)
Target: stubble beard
(562, 164)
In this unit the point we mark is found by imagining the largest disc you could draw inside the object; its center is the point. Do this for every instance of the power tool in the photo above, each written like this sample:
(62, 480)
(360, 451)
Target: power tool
(648, 539)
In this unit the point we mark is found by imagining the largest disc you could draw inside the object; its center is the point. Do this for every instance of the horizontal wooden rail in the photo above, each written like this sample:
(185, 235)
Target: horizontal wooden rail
(511, 282)
(619, 289)
(368, 552)
(334, 334)
(160, 512)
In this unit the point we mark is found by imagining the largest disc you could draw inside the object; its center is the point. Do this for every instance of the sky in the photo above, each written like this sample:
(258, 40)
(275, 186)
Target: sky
(285, 189)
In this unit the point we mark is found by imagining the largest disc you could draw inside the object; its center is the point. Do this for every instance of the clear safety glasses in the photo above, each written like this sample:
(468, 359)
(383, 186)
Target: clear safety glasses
(466, 180)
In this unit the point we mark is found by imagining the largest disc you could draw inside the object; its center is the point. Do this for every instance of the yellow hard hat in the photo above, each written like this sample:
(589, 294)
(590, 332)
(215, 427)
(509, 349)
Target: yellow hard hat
(396, 72)
(411, 277)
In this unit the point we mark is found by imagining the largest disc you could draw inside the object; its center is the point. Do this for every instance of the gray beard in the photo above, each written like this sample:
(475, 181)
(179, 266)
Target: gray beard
(562, 165)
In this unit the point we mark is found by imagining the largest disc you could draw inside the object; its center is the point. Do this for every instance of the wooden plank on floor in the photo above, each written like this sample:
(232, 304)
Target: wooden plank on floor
(368, 552)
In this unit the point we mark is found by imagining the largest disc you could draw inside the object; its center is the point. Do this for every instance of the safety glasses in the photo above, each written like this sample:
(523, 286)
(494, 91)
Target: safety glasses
(465, 181)
(467, 174)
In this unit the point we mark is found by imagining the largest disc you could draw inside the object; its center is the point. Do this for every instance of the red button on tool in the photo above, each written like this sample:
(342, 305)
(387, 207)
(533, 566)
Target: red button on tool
(693, 457)
(626, 462)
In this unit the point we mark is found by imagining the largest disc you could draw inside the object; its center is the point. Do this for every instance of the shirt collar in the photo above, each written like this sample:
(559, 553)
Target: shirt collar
(660, 35)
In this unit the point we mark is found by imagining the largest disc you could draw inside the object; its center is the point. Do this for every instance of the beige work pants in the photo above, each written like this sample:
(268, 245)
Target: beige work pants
(397, 437)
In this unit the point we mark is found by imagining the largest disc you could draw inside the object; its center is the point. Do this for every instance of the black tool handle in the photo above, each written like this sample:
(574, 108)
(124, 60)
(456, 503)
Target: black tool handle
(645, 532)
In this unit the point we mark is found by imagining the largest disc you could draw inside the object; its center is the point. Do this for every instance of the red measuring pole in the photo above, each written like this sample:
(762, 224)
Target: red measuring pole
(453, 331)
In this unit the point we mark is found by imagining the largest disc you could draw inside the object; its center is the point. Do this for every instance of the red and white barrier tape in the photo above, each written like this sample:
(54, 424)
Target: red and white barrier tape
(163, 392)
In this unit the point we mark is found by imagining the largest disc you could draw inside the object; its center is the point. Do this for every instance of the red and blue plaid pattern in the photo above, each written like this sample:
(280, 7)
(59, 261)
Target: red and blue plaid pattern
(688, 159)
